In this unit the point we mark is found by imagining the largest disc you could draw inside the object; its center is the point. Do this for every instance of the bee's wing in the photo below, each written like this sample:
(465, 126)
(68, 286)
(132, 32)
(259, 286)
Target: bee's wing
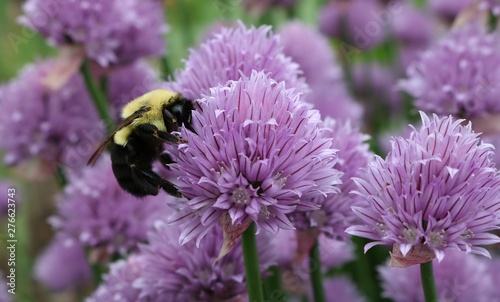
(102, 146)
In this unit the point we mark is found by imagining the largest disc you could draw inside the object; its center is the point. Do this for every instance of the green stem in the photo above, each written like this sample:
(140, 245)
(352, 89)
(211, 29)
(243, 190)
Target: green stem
(97, 95)
(165, 68)
(61, 177)
(252, 269)
(272, 286)
(316, 273)
(428, 284)
(96, 273)
(492, 21)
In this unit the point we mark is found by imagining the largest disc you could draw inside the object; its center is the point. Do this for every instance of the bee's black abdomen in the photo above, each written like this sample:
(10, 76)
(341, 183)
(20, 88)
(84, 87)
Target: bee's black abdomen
(129, 173)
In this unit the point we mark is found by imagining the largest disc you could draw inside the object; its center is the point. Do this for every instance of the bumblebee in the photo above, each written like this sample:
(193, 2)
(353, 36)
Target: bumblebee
(137, 141)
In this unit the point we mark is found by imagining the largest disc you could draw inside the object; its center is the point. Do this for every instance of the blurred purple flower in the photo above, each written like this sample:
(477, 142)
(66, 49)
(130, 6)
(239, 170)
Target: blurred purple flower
(4, 203)
(412, 26)
(40, 122)
(118, 283)
(492, 5)
(63, 265)
(5, 296)
(335, 214)
(408, 55)
(258, 7)
(186, 273)
(354, 22)
(105, 28)
(459, 277)
(234, 52)
(458, 75)
(438, 189)
(449, 9)
(375, 84)
(494, 272)
(129, 82)
(321, 71)
(340, 289)
(314, 55)
(333, 253)
(259, 154)
(94, 209)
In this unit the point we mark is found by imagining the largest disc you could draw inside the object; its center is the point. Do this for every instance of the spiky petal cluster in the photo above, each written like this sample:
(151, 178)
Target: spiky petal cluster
(234, 52)
(335, 214)
(458, 75)
(259, 153)
(94, 209)
(103, 27)
(63, 265)
(459, 277)
(40, 122)
(321, 71)
(186, 273)
(439, 189)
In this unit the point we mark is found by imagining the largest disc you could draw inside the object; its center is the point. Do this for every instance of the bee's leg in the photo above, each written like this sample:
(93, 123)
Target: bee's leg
(170, 137)
(166, 159)
(150, 131)
(155, 179)
(169, 120)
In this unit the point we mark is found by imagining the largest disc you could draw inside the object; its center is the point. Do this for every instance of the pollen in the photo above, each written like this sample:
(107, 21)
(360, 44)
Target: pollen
(240, 196)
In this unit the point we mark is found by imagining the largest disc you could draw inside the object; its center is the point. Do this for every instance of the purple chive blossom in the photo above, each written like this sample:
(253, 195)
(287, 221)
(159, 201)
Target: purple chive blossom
(449, 9)
(63, 265)
(187, 273)
(335, 214)
(94, 209)
(129, 82)
(104, 28)
(459, 277)
(493, 139)
(458, 75)
(259, 153)
(321, 71)
(118, 283)
(38, 122)
(234, 52)
(439, 189)
(5, 296)
(354, 22)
